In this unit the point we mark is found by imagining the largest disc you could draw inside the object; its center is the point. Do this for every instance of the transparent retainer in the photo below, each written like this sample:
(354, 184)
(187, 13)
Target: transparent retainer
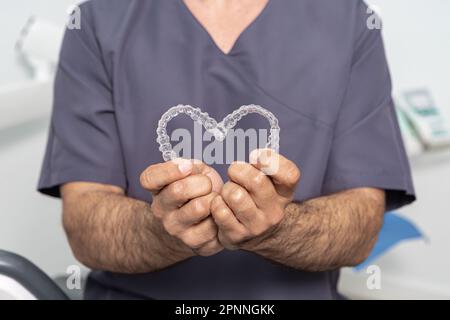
(218, 130)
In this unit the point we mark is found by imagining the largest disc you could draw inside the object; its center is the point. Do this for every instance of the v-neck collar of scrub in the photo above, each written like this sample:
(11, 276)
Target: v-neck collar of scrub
(241, 36)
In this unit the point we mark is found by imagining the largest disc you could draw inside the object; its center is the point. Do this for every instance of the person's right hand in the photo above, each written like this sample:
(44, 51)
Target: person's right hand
(182, 193)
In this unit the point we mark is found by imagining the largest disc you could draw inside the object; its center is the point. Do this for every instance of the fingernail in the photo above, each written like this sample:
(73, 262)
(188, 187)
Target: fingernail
(185, 166)
(254, 156)
(265, 159)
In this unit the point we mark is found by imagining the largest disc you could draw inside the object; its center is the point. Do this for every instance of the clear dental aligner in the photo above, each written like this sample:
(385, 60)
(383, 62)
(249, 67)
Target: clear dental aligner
(219, 130)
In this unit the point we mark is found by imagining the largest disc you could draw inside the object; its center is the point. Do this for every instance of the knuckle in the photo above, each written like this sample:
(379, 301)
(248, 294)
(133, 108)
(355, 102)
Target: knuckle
(145, 179)
(169, 227)
(156, 210)
(147, 176)
(192, 241)
(221, 214)
(236, 195)
(205, 181)
(258, 180)
(200, 206)
(176, 190)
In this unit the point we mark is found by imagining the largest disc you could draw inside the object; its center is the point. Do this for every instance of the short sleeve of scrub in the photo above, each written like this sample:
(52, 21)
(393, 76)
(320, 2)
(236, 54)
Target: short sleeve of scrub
(83, 141)
(367, 149)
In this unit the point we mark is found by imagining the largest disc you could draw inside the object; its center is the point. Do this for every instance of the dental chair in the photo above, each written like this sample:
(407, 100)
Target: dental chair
(20, 279)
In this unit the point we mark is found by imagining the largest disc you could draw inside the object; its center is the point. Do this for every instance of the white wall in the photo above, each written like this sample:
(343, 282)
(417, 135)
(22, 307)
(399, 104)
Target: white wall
(417, 38)
(29, 223)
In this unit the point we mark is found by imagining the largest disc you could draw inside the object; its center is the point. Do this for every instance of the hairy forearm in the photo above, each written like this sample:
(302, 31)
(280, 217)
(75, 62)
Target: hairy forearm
(110, 231)
(327, 232)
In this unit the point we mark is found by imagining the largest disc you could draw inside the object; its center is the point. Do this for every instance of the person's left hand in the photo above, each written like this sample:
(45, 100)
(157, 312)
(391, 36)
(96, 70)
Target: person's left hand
(252, 204)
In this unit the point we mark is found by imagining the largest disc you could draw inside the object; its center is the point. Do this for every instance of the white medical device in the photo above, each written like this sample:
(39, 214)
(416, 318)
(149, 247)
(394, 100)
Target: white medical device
(429, 121)
(411, 141)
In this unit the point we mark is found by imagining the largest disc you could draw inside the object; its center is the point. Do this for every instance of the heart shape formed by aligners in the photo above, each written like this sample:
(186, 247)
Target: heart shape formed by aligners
(218, 130)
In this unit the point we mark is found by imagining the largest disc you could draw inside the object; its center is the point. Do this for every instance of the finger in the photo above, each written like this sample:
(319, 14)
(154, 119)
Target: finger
(176, 222)
(224, 217)
(283, 172)
(241, 204)
(202, 168)
(230, 242)
(179, 192)
(198, 235)
(210, 248)
(157, 176)
(195, 210)
(258, 184)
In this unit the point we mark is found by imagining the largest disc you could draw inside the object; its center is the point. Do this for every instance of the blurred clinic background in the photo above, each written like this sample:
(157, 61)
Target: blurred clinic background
(413, 256)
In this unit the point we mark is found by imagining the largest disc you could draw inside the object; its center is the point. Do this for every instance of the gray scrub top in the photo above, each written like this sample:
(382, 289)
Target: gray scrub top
(314, 63)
